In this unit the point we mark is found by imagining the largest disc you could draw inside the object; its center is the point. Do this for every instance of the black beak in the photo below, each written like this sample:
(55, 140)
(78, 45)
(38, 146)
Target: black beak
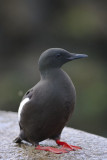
(77, 56)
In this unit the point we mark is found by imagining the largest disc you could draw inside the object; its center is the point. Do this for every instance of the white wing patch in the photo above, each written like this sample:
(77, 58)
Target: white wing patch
(21, 107)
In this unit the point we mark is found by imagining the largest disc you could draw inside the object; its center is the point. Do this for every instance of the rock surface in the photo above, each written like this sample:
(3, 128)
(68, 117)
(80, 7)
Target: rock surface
(93, 147)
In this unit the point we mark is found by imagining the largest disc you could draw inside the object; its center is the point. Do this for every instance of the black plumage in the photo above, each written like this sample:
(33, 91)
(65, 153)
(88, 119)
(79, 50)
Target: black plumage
(50, 103)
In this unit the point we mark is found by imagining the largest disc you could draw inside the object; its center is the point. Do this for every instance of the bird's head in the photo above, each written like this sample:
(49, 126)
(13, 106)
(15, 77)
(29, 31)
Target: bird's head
(56, 57)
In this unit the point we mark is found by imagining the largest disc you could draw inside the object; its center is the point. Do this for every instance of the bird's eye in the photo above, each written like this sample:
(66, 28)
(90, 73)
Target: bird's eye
(58, 55)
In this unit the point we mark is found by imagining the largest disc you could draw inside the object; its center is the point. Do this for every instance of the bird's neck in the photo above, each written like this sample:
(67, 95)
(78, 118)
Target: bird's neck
(51, 73)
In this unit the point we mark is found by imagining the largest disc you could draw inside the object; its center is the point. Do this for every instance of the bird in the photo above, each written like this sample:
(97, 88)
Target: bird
(46, 108)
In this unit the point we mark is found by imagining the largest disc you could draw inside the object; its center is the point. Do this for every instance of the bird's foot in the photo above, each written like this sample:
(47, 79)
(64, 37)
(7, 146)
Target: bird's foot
(67, 146)
(64, 149)
(52, 149)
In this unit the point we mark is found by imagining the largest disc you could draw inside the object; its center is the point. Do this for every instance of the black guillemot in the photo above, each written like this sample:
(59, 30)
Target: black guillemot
(46, 108)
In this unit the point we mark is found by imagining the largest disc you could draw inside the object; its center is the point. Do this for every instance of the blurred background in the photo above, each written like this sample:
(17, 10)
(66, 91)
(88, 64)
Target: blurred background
(28, 27)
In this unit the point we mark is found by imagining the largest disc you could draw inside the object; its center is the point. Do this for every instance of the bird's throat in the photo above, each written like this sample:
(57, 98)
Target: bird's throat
(51, 73)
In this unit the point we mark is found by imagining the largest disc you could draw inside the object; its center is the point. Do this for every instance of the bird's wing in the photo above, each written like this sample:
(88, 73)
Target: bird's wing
(28, 94)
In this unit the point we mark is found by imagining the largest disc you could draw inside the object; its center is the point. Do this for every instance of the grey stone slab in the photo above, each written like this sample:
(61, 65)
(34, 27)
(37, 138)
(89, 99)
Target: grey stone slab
(93, 147)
